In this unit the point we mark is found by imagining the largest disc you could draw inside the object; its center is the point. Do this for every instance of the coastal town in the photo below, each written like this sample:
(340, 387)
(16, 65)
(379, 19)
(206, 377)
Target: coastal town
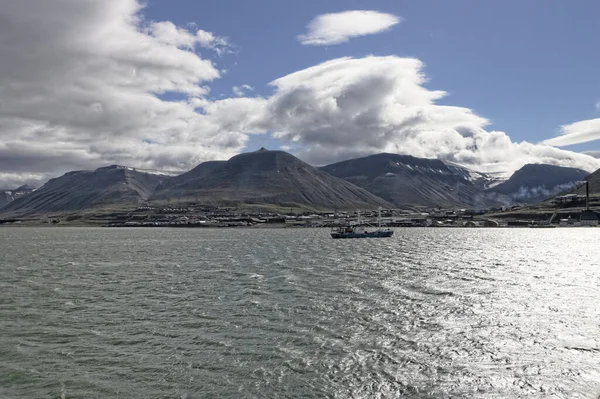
(568, 213)
(568, 210)
(147, 216)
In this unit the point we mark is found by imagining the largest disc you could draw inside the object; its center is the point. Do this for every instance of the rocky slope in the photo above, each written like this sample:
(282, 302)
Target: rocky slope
(198, 172)
(116, 186)
(278, 179)
(594, 185)
(7, 196)
(537, 182)
(406, 180)
(266, 178)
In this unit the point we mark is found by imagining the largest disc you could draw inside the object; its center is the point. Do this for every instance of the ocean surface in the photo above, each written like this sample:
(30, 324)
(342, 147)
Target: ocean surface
(291, 313)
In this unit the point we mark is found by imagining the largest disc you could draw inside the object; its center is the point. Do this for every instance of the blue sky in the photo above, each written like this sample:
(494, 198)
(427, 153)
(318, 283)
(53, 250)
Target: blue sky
(149, 83)
(528, 66)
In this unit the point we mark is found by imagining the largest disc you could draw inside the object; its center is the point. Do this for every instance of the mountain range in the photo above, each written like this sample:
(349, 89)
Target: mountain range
(9, 195)
(406, 180)
(116, 186)
(273, 178)
(276, 179)
(537, 182)
(594, 185)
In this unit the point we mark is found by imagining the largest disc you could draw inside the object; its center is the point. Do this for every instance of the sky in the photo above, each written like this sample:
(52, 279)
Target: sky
(165, 85)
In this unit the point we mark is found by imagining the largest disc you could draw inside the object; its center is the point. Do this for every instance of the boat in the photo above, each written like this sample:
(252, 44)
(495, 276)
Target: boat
(359, 231)
(547, 224)
(541, 226)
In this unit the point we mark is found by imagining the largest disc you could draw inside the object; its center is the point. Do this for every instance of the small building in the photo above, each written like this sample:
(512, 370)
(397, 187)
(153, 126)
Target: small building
(569, 222)
(588, 218)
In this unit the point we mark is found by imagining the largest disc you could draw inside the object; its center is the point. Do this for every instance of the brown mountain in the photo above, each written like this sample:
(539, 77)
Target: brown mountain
(7, 196)
(198, 172)
(537, 182)
(266, 178)
(594, 185)
(406, 180)
(115, 186)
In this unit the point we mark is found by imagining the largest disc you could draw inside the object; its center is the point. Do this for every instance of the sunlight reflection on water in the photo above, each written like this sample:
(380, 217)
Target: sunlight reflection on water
(491, 313)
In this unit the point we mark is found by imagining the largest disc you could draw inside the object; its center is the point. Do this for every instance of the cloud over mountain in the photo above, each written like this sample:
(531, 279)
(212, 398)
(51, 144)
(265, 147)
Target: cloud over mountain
(336, 28)
(348, 107)
(85, 84)
(81, 85)
(595, 154)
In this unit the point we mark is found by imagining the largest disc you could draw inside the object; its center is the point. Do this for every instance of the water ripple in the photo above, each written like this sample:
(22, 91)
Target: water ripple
(429, 313)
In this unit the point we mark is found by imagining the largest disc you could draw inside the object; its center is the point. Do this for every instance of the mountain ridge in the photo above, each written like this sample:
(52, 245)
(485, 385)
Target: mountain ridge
(9, 195)
(269, 177)
(536, 182)
(408, 180)
(112, 185)
(198, 172)
(277, 178)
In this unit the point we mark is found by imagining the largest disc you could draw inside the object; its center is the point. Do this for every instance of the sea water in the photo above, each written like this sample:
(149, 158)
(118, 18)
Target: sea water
(251, 313)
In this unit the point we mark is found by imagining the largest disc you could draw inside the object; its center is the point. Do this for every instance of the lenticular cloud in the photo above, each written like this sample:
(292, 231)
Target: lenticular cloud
(353, 107)
(576, 133)
(85, 84)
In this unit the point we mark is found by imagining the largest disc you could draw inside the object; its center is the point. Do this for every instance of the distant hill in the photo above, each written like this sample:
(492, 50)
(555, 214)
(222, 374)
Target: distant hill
(479, 179)
(266, 178)
(81, 190)
(536, 182)
(594, 184)
(7, 196)
(276, 179)
(407, 180)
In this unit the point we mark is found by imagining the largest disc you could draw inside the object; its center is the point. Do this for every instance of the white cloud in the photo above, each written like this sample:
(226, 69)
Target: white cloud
(208, 40)
(595, 154)
(11, 181)
(576, 133)
(83, 84)
(240, 91)
(336, 28)
(168, 33)
(349, 107)
(79, 86)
